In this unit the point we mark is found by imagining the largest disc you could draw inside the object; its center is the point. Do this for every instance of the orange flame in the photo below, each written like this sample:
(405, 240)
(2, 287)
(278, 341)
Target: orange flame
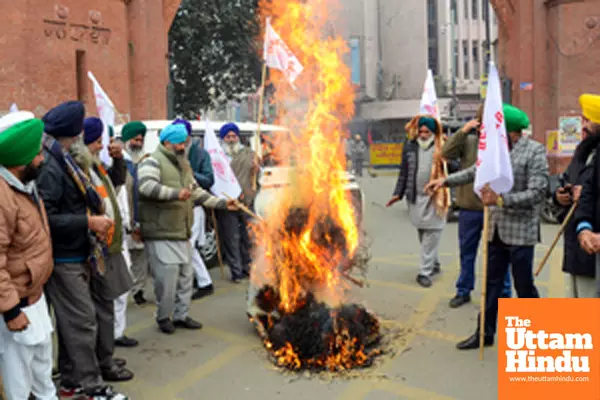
(309, 259)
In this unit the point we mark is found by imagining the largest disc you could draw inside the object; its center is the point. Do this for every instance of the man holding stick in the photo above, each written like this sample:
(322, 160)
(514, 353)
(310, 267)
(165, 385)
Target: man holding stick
(587, 217)
(577, 262)
(514, 222)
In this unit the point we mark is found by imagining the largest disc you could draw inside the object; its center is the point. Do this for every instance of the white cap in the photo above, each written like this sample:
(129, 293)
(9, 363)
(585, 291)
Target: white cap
(14, 118)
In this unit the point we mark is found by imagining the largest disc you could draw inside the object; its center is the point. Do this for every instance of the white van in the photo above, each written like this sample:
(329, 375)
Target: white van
(272, 178)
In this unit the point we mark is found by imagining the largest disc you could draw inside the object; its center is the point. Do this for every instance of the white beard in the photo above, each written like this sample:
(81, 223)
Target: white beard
(135, 155)
(424, 144)
(232, 149)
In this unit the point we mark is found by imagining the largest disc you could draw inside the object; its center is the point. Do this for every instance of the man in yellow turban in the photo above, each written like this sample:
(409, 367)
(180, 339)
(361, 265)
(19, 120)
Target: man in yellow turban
(587, 217)
(25, 262)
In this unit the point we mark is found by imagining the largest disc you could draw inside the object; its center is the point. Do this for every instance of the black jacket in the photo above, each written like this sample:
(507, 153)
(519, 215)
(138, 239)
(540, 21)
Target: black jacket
(66, 208)
(407, 180)
(575, 260)
(584, 170)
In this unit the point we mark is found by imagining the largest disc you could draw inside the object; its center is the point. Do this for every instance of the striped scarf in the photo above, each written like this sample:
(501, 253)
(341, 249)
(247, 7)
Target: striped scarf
(439, 169)
(93, 201)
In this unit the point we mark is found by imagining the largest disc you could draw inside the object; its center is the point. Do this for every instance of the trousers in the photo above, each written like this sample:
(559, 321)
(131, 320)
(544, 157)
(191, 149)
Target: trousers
(501, 257)
(140, 269)
(430, 243)
(233, 228)
(75, 309)
(470, 226)
(197, 239)
(173, 278)
(26, 357)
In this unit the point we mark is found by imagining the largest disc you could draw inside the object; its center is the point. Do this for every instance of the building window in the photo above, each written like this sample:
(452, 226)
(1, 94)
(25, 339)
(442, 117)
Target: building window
(455, 57)
(466, 9)
(486, 7)
(475, 11)
(476, 70)
(355, 61)
(466, 48)
(432, 33)
(454, 11)
(81, 75)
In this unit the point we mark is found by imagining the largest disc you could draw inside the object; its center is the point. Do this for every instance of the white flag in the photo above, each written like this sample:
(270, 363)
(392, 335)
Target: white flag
(429, 101)
(278, 55)
(106, 112)
(14, 108)
(225, 180)
(493, 158)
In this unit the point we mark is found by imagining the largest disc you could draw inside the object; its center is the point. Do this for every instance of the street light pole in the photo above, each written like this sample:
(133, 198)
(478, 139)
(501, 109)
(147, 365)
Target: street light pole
(453, 45)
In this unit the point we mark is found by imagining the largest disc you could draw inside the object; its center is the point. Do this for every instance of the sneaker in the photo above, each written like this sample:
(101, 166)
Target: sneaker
(68, 391)
(203, 292)
(458, 301)
(424, 281)
(104, 393)
(139, 298)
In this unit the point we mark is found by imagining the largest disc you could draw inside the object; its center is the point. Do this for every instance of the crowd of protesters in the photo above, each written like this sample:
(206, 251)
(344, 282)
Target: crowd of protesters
(78, 236)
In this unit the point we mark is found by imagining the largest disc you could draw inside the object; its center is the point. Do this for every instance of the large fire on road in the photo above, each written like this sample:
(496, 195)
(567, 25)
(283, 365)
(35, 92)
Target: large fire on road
(310, 241)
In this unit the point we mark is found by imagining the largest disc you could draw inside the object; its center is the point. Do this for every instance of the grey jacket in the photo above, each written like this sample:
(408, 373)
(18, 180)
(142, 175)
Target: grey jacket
(518, 222)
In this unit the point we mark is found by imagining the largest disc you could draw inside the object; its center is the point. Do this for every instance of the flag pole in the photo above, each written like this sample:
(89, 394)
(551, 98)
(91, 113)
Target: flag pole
(484, 274)
(261, 103)
(219, 255)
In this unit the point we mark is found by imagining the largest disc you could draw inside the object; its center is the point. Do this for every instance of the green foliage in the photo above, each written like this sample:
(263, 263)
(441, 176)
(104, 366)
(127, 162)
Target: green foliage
(214, 53)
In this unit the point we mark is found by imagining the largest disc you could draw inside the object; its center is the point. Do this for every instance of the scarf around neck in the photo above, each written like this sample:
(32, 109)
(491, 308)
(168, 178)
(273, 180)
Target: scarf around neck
(93, 201)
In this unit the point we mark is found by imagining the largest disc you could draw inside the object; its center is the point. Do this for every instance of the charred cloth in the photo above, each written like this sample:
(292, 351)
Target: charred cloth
(317, 337)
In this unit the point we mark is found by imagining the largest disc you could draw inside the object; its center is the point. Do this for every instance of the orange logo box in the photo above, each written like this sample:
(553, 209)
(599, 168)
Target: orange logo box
(549, 349)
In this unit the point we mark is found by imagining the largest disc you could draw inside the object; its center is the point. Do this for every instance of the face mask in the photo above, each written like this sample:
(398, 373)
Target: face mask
(30, 173)
(425, 143)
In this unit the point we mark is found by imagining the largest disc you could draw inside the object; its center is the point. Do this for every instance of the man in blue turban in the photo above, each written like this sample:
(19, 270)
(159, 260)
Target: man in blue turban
(168, 193)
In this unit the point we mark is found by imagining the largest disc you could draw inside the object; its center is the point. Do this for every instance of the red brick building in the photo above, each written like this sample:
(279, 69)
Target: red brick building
(48, 46)
(555, 46)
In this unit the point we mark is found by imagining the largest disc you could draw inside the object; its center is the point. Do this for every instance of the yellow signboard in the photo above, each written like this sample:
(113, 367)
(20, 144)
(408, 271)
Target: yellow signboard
(386, 153)
(552, 143)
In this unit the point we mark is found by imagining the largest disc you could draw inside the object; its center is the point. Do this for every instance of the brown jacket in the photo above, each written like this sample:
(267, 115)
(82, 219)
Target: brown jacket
(242, 166)
(25, 247)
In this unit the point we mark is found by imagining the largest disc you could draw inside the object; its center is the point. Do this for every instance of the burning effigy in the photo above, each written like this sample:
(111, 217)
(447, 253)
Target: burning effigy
(310, 245)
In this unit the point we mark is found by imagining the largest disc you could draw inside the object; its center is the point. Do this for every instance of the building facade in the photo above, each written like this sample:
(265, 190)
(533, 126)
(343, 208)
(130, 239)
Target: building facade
(550, 51)
(47, 48)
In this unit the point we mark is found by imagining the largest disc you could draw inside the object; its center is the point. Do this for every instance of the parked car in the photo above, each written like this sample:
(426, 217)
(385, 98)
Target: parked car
(273, 176)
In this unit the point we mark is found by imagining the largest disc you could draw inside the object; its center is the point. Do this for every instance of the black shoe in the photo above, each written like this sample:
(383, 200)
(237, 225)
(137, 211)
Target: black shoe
(458, 301)
(436, 270)
(104, 393)
(139, 298)
(246, 274)
(166, 326)
(203, 292)
(120, 362)
(117, 374)
(472, 342)
(125, 341)
(188, 323)
(424, 281)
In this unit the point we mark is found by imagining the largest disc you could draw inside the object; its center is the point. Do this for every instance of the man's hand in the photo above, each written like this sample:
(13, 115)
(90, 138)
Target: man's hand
(100, 224)
(434, 185)
(488, 196)
(184, 194)
(115, 150)
(472, 124)
(232, 205)
(563, 195)
(136, 235)
(589, 241)
(392, 201)
(18, 324)
(577, 192)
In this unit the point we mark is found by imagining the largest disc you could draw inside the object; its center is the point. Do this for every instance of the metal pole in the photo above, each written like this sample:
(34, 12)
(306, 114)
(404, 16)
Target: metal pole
(488, 35)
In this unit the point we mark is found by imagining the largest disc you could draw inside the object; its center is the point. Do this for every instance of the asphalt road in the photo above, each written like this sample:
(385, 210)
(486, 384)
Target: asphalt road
(225, 360)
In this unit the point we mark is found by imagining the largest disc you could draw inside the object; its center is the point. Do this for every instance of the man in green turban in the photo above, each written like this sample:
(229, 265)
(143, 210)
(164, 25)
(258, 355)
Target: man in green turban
(514, 221)
(133, 134)
(25, 262)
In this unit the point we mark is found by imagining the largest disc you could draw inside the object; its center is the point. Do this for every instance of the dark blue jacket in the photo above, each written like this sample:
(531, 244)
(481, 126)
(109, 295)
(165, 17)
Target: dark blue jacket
(201, 165)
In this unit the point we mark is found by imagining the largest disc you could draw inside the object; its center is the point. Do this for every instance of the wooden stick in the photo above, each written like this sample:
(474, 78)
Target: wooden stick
(244, 208)
(484, 274)
(555, 241)
(219, 255)
(261, 103)
(355, 281)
